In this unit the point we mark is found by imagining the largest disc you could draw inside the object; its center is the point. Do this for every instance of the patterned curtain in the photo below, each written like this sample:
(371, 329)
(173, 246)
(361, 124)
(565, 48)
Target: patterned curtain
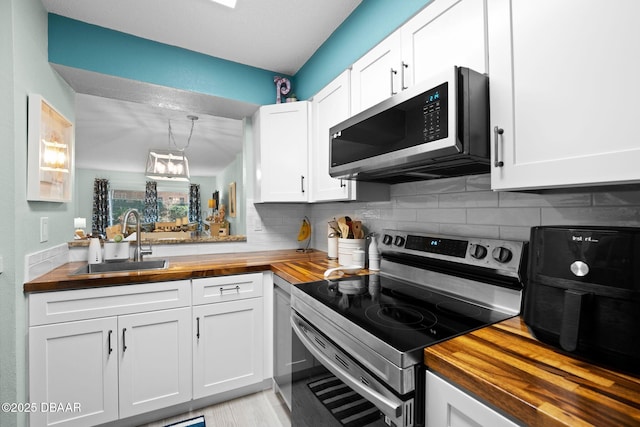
(194, 204)
(150, 214)
(100, 216)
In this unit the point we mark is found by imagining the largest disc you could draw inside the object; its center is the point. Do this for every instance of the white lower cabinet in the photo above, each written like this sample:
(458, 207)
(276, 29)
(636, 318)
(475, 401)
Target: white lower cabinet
(155, 360)
(228, 339)
(74, 363)
(448, 406)
(88, 368)
(109, 353)
(227, 347)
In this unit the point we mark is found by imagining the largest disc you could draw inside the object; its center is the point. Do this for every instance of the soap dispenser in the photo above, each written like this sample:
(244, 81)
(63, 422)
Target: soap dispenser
(95, 251)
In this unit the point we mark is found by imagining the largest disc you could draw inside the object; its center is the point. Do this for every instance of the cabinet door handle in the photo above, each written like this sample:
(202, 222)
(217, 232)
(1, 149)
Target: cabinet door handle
(124, 339)
(393, 73)
(302, 183)
(109, 341)
(496, 144)
(197, 327)
(342, 184)
(404, 67)
(236, 288)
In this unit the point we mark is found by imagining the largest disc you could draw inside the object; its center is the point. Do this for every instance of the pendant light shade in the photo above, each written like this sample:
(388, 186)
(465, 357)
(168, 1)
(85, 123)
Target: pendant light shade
(167, 165)
(170, 165)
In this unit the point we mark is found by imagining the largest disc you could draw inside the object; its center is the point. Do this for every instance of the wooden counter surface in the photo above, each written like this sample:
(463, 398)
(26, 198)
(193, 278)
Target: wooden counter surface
(504, 365)
(295, 267)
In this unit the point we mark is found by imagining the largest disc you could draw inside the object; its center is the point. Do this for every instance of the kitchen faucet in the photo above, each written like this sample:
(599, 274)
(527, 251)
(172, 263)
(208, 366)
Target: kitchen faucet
(139, 252)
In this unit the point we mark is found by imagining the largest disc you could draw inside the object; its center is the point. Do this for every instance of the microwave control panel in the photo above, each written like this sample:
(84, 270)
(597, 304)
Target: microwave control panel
(435, 113)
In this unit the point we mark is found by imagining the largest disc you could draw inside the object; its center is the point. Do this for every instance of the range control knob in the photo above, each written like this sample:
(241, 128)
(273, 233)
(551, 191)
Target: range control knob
(477, 251)
(502, 254)
(399, 241)
(387, 240)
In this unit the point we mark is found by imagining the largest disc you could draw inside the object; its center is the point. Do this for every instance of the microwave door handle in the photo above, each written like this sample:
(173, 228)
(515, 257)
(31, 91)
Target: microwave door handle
(389, 406)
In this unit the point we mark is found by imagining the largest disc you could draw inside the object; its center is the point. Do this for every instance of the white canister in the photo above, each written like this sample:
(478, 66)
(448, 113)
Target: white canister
(332, 247)
(95, 251)
(357, 257)
(346, 248)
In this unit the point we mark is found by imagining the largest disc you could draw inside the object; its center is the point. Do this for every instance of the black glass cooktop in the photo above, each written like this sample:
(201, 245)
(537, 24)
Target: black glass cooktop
(404, 315)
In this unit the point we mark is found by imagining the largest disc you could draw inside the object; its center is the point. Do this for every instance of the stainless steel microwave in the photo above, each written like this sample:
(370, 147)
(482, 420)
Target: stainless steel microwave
(437, 128)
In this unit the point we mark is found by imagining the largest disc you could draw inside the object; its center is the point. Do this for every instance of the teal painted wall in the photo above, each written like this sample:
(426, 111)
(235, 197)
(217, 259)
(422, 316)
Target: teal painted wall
(80, 45)
(25, 70)
(234, 173)
(89, 47)
(368, 25)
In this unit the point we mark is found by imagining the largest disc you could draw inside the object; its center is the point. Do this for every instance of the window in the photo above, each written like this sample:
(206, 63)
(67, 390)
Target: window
(172, 204)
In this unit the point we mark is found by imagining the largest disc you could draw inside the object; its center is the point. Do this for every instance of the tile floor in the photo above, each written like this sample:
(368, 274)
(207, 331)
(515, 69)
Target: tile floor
(262, 409)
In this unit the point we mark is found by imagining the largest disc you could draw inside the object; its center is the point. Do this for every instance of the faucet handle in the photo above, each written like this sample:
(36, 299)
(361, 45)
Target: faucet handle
(146, 251)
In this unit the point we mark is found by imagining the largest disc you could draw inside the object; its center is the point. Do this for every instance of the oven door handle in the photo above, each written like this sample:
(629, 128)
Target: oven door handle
(388, 405)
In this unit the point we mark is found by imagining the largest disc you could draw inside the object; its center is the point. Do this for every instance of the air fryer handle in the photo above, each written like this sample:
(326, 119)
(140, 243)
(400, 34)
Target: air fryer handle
(574, 301)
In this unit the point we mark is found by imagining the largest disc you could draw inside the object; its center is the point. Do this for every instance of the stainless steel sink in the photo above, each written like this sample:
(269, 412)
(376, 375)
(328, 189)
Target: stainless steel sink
(115, 267)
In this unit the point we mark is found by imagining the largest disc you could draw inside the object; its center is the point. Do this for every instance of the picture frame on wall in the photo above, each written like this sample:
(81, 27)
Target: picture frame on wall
(232, 200)
(50, 152)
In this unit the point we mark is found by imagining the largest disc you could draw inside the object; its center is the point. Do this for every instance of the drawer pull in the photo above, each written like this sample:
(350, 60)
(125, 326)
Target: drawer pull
(236, 288)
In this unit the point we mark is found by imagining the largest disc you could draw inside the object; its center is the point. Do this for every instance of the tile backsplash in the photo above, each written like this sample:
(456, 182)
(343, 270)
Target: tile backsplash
(41, 262)
(467, 206)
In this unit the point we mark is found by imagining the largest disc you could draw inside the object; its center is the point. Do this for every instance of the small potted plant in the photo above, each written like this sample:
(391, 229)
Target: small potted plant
(292, 98)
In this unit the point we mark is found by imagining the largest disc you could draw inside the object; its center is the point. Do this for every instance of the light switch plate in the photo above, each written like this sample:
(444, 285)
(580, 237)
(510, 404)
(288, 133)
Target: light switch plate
(44, 229)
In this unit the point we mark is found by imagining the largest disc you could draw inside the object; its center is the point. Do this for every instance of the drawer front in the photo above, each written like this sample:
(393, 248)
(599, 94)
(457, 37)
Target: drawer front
(227, 288)
(81, 304)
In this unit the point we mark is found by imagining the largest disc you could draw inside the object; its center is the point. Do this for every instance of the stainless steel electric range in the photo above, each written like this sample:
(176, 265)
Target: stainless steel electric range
(365, 335)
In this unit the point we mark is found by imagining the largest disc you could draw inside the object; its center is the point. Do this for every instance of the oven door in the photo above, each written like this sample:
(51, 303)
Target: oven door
(338, 391)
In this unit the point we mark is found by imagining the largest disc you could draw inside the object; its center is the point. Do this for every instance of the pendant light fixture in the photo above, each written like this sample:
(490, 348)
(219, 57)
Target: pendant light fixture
(170, 164)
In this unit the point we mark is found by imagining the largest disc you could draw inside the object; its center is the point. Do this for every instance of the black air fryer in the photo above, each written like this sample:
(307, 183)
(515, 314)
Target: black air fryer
(583, 292)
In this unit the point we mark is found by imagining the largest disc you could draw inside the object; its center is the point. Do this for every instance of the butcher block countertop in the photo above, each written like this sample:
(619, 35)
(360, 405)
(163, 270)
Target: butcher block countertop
(504, 365)
(293, 266)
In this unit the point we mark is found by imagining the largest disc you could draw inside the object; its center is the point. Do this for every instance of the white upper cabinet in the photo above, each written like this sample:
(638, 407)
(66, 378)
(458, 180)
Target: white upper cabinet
(563, 94)
(282, 137)
(330, 107)
(376, 76)
(445, 33)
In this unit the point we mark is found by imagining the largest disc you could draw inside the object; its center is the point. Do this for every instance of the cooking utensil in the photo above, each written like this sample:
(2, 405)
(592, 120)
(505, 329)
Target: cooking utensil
(358, 232)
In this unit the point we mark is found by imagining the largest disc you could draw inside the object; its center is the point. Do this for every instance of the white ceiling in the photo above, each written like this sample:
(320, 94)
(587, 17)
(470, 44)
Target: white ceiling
(116, 135)
(117, 121)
